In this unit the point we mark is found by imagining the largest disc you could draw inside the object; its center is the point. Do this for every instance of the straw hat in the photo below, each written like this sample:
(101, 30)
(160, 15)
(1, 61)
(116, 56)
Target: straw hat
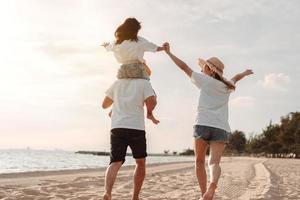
(216, 65)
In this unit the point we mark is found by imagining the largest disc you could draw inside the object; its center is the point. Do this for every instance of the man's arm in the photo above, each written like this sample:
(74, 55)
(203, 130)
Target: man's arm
(240, 76)
(107, 102)
(182, 65)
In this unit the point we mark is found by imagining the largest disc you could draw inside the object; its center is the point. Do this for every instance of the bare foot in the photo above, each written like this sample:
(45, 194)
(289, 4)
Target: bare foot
(106, 197)
(152, 118)
(209, 194)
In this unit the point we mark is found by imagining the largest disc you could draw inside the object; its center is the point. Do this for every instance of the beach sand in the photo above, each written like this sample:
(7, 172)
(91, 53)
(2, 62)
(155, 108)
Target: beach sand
(242, 178)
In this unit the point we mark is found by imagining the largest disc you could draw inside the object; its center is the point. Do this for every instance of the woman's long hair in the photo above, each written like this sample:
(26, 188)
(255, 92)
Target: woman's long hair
(229, 85)
(128, 30)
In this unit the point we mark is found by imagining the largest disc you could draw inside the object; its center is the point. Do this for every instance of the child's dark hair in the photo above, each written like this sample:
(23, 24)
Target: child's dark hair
(128, 30)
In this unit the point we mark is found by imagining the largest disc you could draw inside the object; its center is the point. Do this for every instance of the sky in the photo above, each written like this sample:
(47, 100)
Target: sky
(54, 72)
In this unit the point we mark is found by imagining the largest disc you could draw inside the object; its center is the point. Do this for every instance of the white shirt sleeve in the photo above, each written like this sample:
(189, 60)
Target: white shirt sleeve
(148, 90)
(198, 79)
(148, 46)
(110, 91)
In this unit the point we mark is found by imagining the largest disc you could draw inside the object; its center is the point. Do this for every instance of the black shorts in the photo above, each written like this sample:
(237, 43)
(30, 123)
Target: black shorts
(121, 138)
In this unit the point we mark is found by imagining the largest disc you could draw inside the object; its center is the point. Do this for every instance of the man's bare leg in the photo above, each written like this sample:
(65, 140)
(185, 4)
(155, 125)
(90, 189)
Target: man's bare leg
(200, 152)
(139, 176)
(110, 177)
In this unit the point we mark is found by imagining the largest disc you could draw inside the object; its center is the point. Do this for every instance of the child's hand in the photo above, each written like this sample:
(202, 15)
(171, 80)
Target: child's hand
(105, 44)
(248, 72)
(166, 46)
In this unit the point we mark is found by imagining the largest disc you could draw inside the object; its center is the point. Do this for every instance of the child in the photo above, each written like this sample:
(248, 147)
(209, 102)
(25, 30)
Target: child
(129, 50)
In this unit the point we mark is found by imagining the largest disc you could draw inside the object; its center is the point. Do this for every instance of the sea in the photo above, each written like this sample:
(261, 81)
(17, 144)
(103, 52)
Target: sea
(30, 160)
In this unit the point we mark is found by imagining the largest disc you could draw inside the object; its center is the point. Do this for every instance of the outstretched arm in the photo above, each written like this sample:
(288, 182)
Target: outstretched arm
(108, 46)
(182, 65)
(240, 76)
(105, 44)
(160, 49)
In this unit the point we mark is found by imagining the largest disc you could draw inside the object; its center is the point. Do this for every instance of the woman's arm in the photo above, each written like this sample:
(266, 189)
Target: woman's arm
(240, 76)
(178, 62)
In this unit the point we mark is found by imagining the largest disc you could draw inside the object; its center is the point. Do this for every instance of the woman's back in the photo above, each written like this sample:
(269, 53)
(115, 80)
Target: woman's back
(213, 102)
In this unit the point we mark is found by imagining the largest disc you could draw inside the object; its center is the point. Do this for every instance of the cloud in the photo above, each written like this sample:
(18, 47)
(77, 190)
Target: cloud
(273, 81)
(243, 101)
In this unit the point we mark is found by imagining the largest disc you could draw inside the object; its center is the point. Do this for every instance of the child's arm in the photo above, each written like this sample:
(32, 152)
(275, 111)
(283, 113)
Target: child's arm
(163, 47)
(108, 46)
(182, 65)
(105, 44)
(160, 48)
(240, 76)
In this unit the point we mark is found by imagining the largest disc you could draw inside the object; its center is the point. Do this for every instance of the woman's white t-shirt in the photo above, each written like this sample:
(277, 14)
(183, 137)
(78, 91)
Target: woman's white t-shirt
(129, 50)
(213, 102)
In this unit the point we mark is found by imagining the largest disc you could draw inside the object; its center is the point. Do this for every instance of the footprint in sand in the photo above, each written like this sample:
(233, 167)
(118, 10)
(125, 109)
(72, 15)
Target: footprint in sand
(259, 185)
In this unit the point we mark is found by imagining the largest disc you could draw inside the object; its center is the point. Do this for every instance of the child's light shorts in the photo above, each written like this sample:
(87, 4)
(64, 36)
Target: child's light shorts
(133, 70)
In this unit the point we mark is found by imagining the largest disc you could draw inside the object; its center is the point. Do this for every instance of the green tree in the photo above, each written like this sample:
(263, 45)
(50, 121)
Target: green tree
(237, 142)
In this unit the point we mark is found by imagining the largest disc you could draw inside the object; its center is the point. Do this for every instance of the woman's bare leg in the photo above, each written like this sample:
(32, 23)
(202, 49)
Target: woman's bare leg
(200, 151)
(216, 152)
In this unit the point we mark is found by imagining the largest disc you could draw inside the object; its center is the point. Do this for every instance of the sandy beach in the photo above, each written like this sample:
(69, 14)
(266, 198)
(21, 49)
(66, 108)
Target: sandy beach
(242, 178)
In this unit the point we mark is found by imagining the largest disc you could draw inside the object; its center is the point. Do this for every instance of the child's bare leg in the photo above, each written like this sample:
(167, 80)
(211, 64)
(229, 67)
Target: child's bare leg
(152, 118)
(148, 70)
(150, 108)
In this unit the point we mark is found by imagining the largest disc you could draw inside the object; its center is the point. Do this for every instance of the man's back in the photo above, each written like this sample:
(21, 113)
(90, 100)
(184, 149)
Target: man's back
(128, 97)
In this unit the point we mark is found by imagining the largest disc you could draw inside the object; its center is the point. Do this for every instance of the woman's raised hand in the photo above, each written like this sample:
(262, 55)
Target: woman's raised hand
(166, 45)
(248, 72)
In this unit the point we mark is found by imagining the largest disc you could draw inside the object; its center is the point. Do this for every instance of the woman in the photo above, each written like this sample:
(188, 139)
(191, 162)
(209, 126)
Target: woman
(212, 127)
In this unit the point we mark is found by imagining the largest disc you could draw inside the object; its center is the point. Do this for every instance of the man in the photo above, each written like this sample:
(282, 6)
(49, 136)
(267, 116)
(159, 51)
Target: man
(128, 97)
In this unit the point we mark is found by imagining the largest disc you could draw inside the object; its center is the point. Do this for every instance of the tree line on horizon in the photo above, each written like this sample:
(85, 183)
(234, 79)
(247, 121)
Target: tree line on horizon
(280, 140)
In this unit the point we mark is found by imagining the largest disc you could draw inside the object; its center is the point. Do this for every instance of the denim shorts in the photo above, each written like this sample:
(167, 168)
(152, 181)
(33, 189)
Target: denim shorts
(210, 134)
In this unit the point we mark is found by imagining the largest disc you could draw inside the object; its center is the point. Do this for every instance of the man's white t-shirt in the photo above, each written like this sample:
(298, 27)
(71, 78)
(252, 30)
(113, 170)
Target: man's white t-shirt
(213, 102)
(128, 97)
(129, 51)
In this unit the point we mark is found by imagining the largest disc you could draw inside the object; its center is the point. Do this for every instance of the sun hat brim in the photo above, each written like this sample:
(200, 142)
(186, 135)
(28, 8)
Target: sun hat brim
(202, 63)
